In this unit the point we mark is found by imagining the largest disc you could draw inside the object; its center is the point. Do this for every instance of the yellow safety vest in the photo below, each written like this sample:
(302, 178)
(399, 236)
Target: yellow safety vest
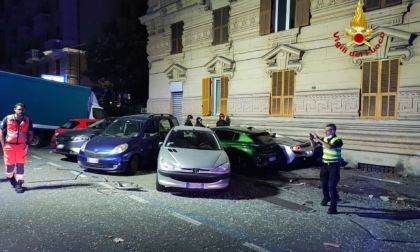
(331, 155)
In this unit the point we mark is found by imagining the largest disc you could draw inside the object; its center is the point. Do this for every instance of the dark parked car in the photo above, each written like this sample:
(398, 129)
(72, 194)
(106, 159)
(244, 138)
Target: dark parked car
(69, 142)
(249, 147)
(129, 143)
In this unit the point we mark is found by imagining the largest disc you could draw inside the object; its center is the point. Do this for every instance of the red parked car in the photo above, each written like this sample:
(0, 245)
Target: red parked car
(72, 124)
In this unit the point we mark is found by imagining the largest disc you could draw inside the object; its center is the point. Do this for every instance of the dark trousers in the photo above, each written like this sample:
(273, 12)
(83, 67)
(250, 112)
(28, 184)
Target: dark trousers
(330, 175)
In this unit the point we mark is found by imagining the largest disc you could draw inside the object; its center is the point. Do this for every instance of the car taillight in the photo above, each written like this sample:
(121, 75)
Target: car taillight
(297, 148)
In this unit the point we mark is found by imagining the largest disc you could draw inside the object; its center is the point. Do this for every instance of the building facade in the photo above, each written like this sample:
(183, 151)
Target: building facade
(291, 67)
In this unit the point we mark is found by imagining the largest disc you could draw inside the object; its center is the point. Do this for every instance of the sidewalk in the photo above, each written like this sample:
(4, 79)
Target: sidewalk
(386, 186)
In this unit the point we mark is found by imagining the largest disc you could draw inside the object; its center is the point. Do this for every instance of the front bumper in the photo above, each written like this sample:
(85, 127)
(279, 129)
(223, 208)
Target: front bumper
(192, 180)
(107, 164)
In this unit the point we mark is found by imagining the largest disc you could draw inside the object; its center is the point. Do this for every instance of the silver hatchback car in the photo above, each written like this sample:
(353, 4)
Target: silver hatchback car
(192, 157)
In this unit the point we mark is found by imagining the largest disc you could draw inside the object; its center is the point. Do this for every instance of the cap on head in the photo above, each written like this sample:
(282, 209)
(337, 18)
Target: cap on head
(189, 117)
(222, 115)
(198, 119)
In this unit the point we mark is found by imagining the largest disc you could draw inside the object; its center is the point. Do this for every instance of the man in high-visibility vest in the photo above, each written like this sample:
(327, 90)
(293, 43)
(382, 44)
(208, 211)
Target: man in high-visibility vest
(16, 133)
(330, 170)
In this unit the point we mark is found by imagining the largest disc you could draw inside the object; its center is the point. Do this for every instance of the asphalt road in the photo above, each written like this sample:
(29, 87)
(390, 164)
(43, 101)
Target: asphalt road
(67, 209)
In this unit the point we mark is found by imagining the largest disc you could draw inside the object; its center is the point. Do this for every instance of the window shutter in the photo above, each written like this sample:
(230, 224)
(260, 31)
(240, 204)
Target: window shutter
(265, 17)
(302, 12)
(276, 93)
(224, 95)
(389, 88)
(206, 96)
(221, 26)
(289, 91)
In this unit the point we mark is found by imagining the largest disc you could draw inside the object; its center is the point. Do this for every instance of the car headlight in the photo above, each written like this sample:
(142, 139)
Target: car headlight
(223, 168)
(168, 165)
(119, 149)
(83, 147)
(80, 138)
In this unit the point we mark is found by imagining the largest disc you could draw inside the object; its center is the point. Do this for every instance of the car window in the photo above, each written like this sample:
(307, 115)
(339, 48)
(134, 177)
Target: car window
(70, 124)
(102, 124)
(227, 135)
(89, 123)
(164, 125)
(263, 138)
(150, 127)
(192, 139)
(124, 128)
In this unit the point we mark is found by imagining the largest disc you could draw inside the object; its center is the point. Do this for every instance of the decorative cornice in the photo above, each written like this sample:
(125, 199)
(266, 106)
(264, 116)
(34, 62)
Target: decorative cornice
(176, 72)
(283, 57)
(392, 44)
(221, 66)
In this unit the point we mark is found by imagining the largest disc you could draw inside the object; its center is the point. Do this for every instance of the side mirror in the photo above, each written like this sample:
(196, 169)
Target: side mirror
(160, 144)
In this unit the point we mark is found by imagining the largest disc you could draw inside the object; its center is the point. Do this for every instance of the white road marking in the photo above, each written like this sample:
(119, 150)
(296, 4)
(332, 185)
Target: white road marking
(185, 218)
(138, 199)
(36, 157)
(255, 247)
(53, 164)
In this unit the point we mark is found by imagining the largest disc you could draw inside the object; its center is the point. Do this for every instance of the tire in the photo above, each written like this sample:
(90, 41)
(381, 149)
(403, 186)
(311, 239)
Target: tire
(133, 165)
(36, 140)
(159, 187)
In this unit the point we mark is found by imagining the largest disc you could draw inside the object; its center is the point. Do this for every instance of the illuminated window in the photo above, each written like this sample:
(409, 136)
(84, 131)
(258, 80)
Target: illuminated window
(379, 91)
(282, 93)
(177, 29)
(379, 4)
(220, 26)
(280, 15)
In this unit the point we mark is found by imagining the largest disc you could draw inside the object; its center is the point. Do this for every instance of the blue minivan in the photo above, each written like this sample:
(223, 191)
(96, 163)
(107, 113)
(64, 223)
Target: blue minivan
(129, 143)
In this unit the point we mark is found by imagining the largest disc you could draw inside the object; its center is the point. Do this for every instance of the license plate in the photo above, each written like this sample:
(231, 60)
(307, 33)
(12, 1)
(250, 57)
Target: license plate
(60, 146)
(194, 185)
(93, 160)
(272, 159)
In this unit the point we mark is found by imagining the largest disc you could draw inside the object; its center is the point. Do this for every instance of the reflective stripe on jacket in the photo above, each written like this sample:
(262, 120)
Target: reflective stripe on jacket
(333, 154)
(16, 133)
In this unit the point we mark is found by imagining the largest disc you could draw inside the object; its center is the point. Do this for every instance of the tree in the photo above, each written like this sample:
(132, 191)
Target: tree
(118, 61)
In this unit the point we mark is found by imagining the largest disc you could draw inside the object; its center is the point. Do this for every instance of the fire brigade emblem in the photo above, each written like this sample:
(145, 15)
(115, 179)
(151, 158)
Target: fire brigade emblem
(358, 31)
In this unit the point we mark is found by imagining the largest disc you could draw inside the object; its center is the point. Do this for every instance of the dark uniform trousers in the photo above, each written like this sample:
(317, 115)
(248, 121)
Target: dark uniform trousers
(330, 175)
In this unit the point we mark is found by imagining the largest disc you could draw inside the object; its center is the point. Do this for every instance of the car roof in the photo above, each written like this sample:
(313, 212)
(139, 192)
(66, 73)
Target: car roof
(146, 116)
(247, 130)
(195, 128)
(83, 119)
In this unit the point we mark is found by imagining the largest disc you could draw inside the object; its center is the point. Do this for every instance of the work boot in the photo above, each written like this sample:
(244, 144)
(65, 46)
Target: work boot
(332, 210)
(19, 188)
(325, 201)
(12, 181)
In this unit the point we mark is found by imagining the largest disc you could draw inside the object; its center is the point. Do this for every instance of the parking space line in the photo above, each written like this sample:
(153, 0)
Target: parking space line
(138, 199)
(36, 157)
(255, 247)
(53, 164)
(185, 218)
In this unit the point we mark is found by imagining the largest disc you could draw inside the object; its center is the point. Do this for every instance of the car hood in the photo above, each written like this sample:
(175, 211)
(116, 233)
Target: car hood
(283, 140)
(79, 132)
(105, 143)
(190, 158)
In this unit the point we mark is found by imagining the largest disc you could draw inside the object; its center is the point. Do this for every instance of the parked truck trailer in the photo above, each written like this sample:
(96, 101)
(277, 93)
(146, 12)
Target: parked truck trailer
(49, 104)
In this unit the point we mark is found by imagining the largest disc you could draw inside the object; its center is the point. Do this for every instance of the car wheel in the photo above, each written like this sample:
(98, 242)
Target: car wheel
(133, 165)
(159, 187)
(36, 141)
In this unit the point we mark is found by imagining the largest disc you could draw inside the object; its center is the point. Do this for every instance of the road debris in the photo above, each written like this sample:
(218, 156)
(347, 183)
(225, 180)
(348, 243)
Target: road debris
(379, 179)
(328, 244)
(384, 198)
(118, 240)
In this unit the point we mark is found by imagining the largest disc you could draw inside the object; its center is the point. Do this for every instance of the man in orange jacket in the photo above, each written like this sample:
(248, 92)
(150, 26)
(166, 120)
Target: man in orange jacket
(16, 133)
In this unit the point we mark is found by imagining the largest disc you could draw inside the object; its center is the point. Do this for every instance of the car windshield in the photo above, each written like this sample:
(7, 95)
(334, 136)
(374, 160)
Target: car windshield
(102, 124)
(262, 138)
(70, 124)
(123, 128)
(193, 139)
